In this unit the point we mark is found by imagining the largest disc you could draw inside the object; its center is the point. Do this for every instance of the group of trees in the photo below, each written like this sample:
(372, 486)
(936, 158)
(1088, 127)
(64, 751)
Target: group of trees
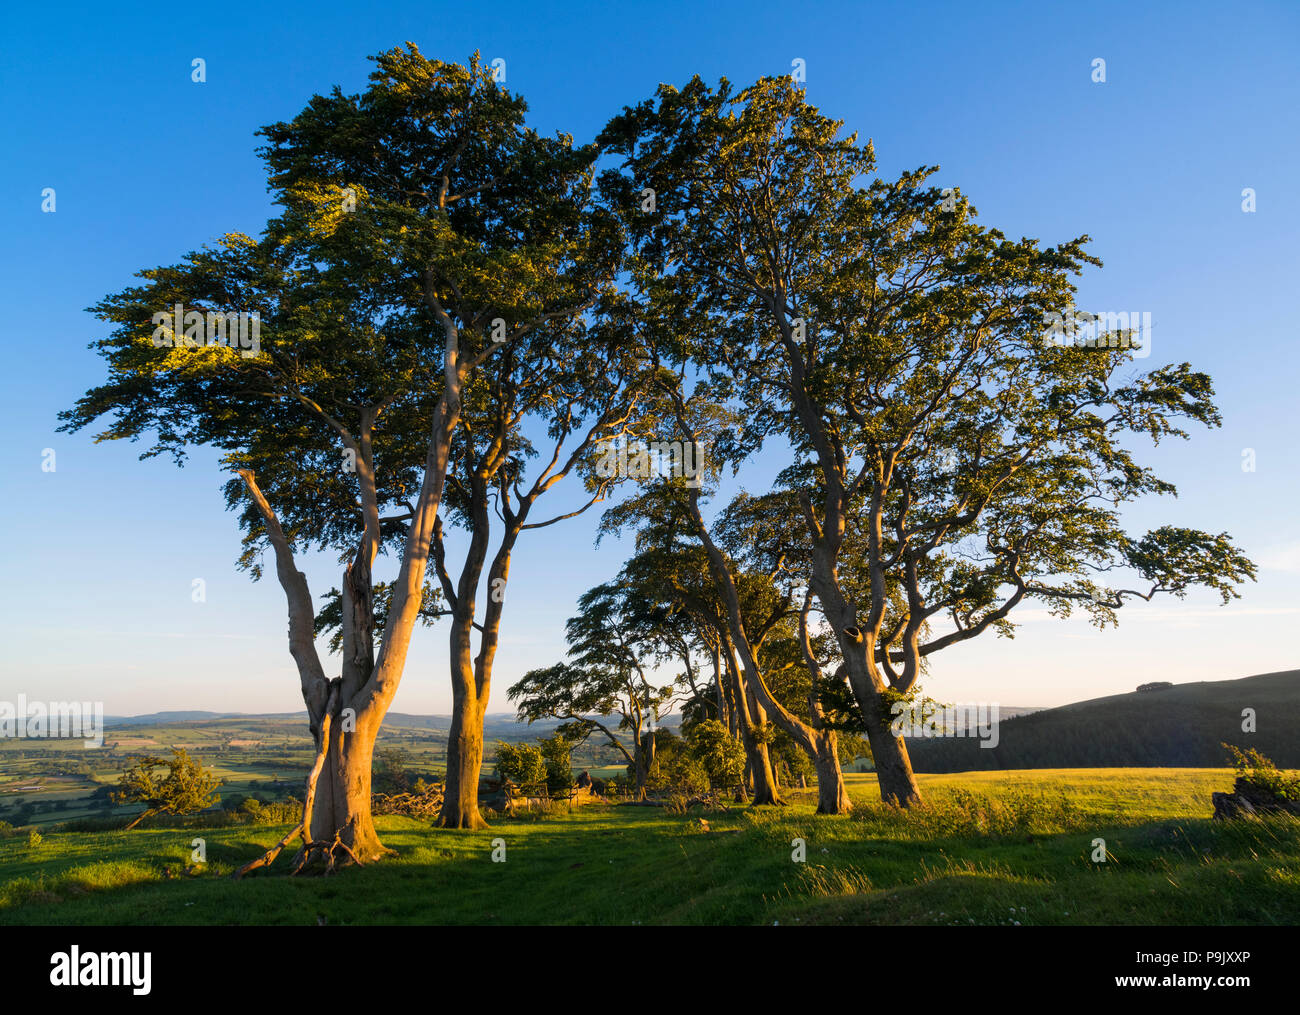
(458, 314)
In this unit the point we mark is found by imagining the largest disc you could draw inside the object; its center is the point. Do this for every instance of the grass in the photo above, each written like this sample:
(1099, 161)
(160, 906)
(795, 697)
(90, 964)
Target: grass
(990, 848)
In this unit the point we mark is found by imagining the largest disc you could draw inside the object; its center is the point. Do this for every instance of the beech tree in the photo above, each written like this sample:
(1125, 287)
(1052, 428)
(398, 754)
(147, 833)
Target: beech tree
(419, 238)
(580, 383)
(674, 567)
(608, 646)
(899, 349)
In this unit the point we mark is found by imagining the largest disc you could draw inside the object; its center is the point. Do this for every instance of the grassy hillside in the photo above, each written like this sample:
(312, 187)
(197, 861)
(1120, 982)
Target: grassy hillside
(993, 848)
(1181, 725)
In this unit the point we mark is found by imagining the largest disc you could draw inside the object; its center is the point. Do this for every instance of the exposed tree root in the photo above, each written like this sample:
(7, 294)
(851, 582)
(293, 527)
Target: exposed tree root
(267, 858)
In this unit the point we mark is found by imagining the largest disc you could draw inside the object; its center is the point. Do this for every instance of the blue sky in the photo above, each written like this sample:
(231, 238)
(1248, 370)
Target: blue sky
(1200, 102)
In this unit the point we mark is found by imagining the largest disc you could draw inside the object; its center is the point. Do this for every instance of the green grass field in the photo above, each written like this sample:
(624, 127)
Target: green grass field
(991, 848)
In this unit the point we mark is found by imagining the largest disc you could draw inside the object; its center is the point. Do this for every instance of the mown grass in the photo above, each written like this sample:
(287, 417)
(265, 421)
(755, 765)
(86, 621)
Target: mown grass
(990, 848)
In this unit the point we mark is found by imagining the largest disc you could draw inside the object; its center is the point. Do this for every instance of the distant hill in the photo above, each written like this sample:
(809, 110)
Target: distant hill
(1180, 726)
(497, 725)
(162, 718)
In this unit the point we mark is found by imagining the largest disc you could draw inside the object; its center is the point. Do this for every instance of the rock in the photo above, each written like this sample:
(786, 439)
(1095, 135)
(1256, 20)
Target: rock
(1248, 798)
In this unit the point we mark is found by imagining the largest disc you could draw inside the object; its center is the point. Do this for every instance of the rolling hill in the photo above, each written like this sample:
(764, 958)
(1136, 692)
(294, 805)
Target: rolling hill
(1178, 726)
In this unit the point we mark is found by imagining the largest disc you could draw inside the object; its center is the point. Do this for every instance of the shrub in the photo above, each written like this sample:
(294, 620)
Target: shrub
(110, 824)
(674, 769)
(522, 764)
(1260, 771)
(184, 789)
(718, 752)
(559, 773)
(284, 812)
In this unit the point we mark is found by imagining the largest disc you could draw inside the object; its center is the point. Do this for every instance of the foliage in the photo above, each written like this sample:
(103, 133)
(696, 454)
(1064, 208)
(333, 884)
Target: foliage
(555, 754)
(675, 769)
(718, 752)
(522, 764)
(1254, 768)
(183, 789)
(949, 465)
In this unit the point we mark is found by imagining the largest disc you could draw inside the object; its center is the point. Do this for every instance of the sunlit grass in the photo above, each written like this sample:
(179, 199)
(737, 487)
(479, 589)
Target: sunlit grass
(989, 848)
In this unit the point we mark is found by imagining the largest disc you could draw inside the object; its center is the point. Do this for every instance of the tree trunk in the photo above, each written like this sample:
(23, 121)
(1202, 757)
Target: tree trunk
(898, 784)
(759, 766)
(640, 770)
(464, 763)
(832, 797)
(465, 740)
(337, 811)
(342, 804)
(893, 767)
(644, 758)
(760, 771)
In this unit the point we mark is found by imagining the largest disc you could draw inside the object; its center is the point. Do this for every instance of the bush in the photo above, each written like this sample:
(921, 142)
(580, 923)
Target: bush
(521, 764)
(674, 769)
(285, 812)
(718, 752)
(111, 824)
(184, 789)
(559, 773)
(1260, 771)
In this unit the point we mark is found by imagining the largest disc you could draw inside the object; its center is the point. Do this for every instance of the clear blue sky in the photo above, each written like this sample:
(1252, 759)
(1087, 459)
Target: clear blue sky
(1200, 101)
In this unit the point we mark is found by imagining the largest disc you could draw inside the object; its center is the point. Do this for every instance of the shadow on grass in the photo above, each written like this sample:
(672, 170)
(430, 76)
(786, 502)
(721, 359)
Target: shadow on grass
(970, 860)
